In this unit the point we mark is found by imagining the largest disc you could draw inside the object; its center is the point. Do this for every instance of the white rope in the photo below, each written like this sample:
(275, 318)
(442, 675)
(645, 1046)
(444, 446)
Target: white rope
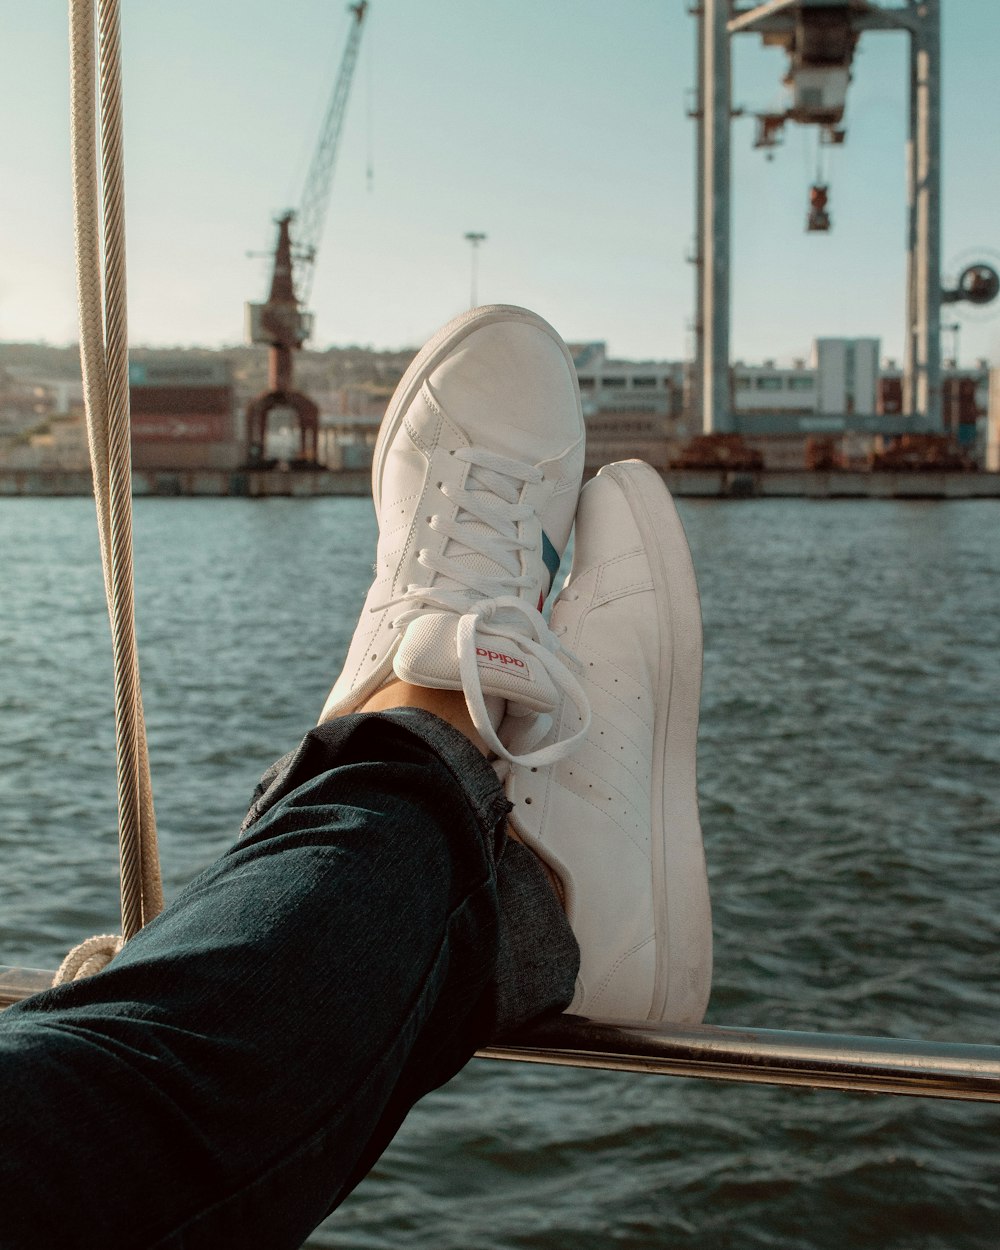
(89, 957)
(104, 361)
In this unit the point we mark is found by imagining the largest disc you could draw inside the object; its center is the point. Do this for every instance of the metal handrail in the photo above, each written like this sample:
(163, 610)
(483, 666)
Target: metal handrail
(881, 1065)
(18, 983)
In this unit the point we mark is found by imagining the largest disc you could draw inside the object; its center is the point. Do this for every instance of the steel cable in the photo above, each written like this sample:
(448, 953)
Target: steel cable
(104, 363)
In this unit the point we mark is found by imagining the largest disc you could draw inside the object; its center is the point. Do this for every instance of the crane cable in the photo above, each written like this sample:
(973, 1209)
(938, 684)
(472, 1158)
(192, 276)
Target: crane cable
(104, 363)
(369, 115)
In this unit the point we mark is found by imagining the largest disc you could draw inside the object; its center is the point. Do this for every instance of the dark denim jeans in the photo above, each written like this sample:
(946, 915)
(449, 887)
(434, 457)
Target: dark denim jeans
(242, 1064)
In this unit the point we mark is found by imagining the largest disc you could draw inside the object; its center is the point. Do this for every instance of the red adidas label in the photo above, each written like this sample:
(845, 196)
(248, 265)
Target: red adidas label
(500, 659)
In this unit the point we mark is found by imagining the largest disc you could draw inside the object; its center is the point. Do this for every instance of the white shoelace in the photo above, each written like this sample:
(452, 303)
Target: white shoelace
(545, 647)
(485, 528)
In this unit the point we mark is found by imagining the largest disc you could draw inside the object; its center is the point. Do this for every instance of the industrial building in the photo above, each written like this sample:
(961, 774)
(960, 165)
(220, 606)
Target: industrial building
(183, 417)
(631, 408)
(644, 408)
(183, 414)
(187, 411)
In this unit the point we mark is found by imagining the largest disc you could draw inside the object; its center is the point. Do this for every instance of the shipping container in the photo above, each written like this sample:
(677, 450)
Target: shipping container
(179, 371)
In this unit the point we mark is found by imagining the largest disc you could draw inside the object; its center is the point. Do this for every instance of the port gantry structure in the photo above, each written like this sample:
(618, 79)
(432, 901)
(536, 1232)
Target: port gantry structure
(282, 321)
(820, 37)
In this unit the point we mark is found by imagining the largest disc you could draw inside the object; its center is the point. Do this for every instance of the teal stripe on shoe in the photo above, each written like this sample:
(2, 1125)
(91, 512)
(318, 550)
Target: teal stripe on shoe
(550, 557)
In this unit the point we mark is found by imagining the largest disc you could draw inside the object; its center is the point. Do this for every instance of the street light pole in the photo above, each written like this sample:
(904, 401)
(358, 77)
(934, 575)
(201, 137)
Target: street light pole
(474, 238)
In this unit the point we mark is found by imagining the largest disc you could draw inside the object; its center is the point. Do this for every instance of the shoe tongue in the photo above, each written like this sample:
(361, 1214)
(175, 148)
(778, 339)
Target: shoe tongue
(428, 656)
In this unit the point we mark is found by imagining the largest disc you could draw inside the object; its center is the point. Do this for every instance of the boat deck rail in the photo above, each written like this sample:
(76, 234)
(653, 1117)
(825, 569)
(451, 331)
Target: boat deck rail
(880, 1065)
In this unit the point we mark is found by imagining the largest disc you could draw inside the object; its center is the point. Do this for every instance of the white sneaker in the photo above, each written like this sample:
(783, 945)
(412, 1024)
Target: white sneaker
(618, 822)
(475, 479)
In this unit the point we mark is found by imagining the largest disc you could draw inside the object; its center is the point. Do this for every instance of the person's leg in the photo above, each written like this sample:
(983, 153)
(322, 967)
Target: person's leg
(243, 1062)
(248, 1055)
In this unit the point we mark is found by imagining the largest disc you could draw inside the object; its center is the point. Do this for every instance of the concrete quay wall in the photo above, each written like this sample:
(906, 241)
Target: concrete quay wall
(685, 484)
(188, 483)
(833, 484)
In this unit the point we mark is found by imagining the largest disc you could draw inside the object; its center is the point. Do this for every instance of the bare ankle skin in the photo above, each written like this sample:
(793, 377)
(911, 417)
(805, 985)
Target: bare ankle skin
(448, 704)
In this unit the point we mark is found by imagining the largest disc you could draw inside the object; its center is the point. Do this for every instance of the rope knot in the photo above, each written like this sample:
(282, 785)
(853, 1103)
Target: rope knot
(89, 957)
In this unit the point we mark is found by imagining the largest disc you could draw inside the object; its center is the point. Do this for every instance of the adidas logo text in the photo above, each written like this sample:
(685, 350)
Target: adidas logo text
(498, 657)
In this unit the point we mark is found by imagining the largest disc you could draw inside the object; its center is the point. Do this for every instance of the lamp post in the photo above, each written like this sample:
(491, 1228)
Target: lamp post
(474, 238)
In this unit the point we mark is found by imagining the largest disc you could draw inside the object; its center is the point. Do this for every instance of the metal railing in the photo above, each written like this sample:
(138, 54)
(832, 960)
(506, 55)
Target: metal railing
(881, 1065)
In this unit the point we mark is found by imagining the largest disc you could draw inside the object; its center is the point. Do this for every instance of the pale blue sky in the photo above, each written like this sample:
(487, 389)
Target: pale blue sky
(556, 126)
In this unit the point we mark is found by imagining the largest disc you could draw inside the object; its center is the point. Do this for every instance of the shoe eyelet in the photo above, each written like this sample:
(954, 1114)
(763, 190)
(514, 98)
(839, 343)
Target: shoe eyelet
(528, 799)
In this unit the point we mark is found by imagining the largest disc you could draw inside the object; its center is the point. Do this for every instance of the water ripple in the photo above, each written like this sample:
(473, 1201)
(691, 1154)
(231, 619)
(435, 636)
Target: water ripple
(850, 798)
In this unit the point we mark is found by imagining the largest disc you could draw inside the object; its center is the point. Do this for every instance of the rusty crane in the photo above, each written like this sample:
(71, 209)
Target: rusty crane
(282, 321)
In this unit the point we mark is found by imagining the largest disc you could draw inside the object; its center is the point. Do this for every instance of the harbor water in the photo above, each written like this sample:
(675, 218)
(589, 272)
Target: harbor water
(850, 791)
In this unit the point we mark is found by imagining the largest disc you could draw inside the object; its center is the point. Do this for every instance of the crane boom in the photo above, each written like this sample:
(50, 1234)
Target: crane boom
(316, 193)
